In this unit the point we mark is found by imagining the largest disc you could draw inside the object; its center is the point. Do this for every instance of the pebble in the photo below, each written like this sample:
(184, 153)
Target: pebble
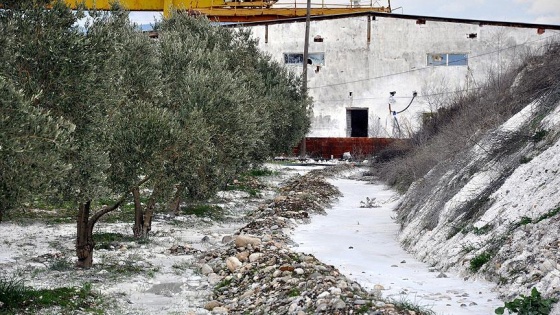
(226, 239)
(220, 310)
(212, 304)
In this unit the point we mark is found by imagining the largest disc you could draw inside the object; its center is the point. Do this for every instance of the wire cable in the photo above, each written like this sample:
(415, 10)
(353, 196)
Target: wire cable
(403, 97)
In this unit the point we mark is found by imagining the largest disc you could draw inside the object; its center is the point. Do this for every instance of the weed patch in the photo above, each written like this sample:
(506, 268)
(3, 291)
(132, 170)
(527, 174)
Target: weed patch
(477, 262)
(482, 230)
(109, 240)
(548, 215)
(204, 210)
(128, 268)
(20, 299)
(364, 309)
(294, 292)
(224, 283)
(262, 171)
(61, 264)
(526, 220)
(477, 230)
(406, 304)
(248, 181)
(539, 135)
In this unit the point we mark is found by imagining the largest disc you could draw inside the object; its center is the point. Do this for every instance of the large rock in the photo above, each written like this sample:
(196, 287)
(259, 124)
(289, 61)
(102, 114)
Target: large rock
(233, 263)
(206, 269)
(244, 240)
(255, 256)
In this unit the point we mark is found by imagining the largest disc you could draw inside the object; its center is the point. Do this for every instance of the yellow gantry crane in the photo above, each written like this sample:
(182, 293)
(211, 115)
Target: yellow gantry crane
(235, 10)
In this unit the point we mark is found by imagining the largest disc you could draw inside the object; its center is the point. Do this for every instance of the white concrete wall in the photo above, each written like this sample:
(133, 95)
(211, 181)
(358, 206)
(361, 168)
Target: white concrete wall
(394, 60)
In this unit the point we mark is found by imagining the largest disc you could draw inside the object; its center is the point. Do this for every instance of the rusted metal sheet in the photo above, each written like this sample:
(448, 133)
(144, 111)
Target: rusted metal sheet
(359, 148)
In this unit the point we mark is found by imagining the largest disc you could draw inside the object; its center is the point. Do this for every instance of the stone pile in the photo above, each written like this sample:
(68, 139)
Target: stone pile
(257, 273)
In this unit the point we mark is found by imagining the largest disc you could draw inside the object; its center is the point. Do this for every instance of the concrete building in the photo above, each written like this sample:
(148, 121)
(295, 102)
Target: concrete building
(356, 60)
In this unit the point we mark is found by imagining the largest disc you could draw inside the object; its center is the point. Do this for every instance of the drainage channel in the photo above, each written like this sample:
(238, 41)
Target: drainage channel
(362, 243)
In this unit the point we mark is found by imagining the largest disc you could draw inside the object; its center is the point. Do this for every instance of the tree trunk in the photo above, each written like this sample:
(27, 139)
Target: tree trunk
(85, 224)
(138, 213)
(143, 216)
(148, 215)
(175, 204)
(84, 240)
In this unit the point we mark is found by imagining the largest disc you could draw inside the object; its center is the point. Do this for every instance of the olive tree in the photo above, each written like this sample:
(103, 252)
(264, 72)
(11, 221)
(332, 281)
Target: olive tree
(179, 116)
(216, 110)
(68, 73)
(241, 103)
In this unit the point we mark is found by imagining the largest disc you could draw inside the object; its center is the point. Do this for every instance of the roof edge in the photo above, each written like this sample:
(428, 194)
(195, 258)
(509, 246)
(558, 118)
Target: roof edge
(401, 16)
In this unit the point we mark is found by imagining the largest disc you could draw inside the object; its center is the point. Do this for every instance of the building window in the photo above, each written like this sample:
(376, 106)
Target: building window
(316, 59)
(448, 59)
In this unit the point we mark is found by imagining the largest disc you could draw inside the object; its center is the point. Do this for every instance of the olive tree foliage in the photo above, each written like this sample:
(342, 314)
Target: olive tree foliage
(218, 120)
(48, 59)
(31, 142)
(47, 56)
(286, 108)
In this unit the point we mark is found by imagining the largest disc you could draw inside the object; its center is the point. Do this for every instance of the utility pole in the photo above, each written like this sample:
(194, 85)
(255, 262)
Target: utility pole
(302, 152)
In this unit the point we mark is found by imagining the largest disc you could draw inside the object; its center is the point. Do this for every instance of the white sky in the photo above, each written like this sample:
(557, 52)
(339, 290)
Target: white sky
(527, 11)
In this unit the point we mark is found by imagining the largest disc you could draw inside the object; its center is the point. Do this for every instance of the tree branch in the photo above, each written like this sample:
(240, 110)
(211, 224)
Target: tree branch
(117, 204)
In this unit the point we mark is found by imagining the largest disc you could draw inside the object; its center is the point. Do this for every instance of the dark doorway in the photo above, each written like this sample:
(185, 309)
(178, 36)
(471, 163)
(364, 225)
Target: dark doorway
(358, 122)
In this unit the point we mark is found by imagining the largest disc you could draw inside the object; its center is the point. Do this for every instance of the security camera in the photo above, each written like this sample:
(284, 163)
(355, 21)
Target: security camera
(393, 93)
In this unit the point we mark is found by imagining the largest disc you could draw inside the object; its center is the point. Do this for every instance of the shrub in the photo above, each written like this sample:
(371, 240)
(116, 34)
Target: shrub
(539, 135)
(528, 305)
